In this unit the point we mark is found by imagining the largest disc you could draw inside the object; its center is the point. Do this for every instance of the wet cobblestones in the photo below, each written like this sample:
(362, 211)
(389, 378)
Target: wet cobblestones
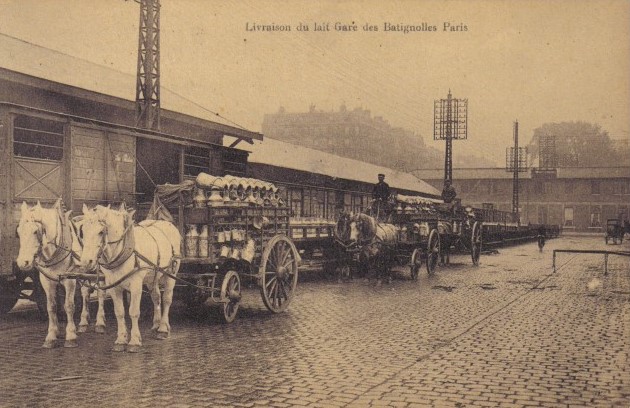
(506, 333)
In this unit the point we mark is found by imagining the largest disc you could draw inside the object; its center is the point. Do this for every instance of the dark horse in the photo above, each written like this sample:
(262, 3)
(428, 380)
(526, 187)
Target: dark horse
(377, 242)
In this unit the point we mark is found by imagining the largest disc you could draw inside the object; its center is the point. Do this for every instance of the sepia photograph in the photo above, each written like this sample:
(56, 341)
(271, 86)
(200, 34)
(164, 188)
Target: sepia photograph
(291, 203)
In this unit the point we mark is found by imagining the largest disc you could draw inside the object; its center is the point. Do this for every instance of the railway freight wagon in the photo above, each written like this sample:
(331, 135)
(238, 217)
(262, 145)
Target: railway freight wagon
(46, 155)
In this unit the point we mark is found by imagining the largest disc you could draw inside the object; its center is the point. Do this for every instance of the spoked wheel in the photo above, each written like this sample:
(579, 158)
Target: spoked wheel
(278, 273)
(433, 251)
(231, 296)
(475, 242)
(416, 263)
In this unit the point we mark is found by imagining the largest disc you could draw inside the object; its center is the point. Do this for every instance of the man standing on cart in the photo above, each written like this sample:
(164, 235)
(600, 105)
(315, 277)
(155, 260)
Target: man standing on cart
(380, 194)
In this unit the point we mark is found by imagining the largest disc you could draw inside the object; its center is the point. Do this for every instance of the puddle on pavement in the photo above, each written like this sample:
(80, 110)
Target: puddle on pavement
(445, 288)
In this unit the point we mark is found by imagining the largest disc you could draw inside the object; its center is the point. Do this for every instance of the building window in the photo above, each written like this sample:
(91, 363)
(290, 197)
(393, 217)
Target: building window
(568, 216)
(294, 196)
(38, 138)
(569, 186)
(596, 217)
(196, 160)
(621, 187)
(595, 187)
(234, 162)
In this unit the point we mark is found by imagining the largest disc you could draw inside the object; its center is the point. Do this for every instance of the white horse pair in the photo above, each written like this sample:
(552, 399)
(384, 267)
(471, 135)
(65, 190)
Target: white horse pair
(48, 242)
(129, 255)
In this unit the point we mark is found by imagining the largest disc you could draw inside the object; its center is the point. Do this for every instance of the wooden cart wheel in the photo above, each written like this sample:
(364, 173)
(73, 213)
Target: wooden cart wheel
(416, 263)
(475, 242)
(231, 296)
(278, 273)
(433, 251)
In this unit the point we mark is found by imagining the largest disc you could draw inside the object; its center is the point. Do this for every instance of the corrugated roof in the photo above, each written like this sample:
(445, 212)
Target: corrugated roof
(277, 153)
(41, 62)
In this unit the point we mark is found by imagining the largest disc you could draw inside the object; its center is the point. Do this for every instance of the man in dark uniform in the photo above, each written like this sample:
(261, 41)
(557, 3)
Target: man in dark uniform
(380, 194)
(381, 189)
(448, 193)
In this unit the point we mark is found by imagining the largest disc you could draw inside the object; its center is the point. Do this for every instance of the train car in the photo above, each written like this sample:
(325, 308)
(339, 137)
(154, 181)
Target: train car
(47, 155)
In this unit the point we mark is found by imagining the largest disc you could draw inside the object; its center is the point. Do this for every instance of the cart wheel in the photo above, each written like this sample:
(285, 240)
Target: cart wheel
(278, 273)
(231, 294)
(416, 263)
(475, 242)
(433, 251)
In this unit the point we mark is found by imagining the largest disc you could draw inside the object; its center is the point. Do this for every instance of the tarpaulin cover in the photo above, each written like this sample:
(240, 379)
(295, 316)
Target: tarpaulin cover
(167, 194)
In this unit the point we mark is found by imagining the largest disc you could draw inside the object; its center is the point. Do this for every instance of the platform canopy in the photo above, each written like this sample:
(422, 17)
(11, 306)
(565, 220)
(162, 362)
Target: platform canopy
(281, 154)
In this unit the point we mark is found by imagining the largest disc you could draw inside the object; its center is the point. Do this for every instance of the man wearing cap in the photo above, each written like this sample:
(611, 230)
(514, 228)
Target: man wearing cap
(448, 193)
(381, 189)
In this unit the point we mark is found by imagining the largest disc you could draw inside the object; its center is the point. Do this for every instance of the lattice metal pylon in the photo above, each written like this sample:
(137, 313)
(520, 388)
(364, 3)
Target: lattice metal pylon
(450, 121)
(516, 162)
(148, 75)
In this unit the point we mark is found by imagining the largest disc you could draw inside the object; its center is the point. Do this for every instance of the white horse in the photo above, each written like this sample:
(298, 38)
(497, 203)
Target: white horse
(129, 256)
(48, 242)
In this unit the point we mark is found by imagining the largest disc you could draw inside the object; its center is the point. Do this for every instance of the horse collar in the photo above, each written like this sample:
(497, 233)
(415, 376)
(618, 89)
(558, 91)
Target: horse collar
(128, 244)
(62, 249)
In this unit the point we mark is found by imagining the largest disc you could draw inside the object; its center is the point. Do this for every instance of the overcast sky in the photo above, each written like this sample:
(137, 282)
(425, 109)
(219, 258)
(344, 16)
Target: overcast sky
(535, 61)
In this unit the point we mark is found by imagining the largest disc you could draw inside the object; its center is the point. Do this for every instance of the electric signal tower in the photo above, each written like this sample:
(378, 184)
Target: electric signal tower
(148, 73)
(515, 162)
(450, 122)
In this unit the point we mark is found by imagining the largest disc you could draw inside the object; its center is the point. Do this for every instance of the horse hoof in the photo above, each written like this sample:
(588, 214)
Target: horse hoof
(82, 328)
(49, 344)
(70, 344)
(99, 329)
(161, 335)
(118, 348)
(133, 349)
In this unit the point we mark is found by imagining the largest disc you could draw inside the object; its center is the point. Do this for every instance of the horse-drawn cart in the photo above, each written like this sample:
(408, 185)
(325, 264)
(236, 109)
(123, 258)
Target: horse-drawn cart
(461, 230)
(614, 231)
(403, 235)
(232, 239)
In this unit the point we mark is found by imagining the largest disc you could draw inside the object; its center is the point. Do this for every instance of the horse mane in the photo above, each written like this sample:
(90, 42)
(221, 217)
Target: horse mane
(367, 226)
(342, 228)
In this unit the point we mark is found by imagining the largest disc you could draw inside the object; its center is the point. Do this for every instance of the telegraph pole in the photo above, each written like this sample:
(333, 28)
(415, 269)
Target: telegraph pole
(450, 120)
(148, 74)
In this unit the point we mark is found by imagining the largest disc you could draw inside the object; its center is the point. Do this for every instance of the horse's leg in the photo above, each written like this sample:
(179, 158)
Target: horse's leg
(50, 288)
(135, 289)
(71, 330)
(169, 287)
(85, 310)
(117, 294)
(156, 297)
(100, 313)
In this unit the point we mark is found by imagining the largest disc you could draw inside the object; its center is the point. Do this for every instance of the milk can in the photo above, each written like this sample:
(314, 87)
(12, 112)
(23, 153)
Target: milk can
(203, 242)
(199, 199)
(192, 241)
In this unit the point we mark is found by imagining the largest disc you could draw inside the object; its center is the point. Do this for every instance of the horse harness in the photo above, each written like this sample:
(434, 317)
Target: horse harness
(128, 250)
(63, 249)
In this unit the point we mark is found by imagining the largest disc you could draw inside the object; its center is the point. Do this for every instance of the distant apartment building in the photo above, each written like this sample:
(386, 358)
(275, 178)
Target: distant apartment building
(348, 133)
(577, 198)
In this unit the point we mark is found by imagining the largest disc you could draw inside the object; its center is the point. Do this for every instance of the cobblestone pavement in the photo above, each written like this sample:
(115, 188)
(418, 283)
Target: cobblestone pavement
(509, 333)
